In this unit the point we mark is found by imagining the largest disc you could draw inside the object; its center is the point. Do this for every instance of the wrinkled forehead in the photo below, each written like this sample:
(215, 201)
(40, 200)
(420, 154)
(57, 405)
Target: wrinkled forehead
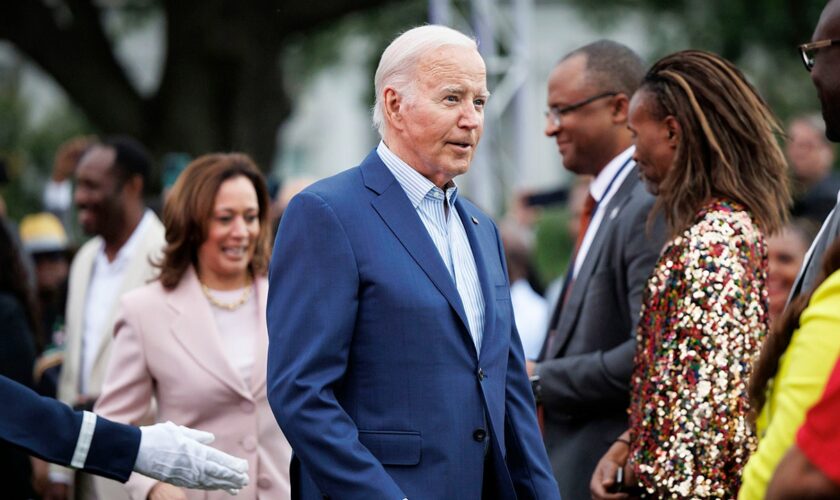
(450, 64)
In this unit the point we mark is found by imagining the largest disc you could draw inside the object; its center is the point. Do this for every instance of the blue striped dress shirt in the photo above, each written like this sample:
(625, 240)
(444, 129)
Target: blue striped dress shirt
(447, 233)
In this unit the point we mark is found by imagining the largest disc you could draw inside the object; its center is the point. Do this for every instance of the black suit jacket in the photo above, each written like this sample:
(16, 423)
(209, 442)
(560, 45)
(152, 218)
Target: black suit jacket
(17, 358)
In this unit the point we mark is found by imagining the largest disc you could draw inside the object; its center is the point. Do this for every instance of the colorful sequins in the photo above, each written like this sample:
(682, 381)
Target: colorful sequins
(704, 316)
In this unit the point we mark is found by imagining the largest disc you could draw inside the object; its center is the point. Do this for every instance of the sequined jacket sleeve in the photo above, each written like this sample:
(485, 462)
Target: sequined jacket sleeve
(703, 320)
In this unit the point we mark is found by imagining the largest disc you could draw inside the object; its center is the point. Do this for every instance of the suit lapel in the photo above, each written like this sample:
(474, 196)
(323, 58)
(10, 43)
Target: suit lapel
(480, 254)
(569, 314)
(195, 329)
(80, 277)
(814, 258)
(399, 215)
(81, 282)
(260, 340)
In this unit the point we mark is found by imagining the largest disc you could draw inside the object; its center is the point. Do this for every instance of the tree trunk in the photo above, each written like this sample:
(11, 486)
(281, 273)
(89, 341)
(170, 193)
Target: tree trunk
(222, 86)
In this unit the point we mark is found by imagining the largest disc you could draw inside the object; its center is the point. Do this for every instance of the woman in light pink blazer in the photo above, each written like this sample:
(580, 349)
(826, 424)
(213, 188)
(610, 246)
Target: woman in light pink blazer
(195, 340)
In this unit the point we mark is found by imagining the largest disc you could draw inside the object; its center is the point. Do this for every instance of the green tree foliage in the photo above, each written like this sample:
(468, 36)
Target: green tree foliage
(28, 148)
(222, 81)
(760, 36)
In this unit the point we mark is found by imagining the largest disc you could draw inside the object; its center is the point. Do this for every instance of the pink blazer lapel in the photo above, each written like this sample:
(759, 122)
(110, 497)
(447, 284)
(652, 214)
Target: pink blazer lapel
(195, 329)
(260, 340)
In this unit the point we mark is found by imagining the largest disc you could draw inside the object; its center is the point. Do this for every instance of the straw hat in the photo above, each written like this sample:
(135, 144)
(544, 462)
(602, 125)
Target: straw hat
(43, 232)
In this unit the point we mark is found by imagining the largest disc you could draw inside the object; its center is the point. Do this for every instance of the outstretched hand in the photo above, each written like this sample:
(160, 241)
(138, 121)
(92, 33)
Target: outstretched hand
(179, 455)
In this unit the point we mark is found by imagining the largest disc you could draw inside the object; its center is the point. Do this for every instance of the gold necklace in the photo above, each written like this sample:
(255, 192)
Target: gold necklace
(230, 306)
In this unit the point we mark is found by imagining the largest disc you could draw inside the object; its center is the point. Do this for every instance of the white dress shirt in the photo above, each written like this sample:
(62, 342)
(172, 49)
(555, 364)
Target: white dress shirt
(603, 188)
(106, 281)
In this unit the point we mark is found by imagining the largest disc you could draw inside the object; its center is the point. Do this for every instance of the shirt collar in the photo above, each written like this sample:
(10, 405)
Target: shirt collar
(416, 186)
(598, 188)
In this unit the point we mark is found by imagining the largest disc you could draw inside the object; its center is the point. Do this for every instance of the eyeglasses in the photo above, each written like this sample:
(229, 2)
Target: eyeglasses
(556, 114)
(809, 50)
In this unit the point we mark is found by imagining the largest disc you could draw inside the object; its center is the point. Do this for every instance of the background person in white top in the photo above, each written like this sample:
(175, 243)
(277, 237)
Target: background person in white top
(584, 373)
(110, 181)
(530, 309)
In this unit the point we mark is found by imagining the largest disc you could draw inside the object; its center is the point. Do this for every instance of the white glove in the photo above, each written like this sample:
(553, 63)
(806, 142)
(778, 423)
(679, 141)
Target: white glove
(178, 455)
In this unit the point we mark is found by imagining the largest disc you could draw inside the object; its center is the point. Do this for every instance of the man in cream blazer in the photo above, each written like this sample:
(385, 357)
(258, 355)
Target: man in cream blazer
(110, 180)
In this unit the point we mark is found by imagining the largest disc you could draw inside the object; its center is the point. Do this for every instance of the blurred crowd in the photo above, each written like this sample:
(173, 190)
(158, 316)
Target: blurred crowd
(693, 299)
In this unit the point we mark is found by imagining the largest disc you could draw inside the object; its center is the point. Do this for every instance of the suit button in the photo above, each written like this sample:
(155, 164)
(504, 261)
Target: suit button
(246, 407)
(479, 435)
(249, 443)
(264, 483)
(481, 374)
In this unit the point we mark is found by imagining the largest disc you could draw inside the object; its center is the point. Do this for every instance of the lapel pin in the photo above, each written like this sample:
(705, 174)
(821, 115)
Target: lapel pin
(475, 221)
(614, 213)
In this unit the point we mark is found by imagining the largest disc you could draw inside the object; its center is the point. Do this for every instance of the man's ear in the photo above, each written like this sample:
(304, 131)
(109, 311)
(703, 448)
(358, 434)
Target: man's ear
(620, 109)
(674, 131)
(394, 107)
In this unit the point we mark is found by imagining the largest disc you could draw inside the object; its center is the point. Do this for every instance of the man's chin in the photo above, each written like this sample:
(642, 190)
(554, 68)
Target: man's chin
(573, 167)
(457, 169)
(832, 132)
(88, 229)
(832, 127)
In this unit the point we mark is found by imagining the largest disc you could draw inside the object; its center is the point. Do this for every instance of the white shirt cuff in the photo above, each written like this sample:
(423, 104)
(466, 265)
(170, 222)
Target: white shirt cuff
(83, 443)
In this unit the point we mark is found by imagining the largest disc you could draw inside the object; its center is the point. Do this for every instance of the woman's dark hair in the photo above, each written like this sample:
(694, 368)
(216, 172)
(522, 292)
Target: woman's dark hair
(14, 279)
(729, 146)
(781, 333)
(189, 207)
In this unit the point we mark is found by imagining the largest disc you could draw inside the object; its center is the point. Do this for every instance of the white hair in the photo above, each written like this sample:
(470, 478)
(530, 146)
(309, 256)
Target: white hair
(400, 59)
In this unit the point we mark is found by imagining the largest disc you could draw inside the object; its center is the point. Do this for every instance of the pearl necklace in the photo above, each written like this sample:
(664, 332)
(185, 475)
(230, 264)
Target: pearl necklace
(229, 306)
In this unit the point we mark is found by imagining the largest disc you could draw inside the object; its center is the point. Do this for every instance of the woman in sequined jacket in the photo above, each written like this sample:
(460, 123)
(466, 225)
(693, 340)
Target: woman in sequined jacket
(706, 146)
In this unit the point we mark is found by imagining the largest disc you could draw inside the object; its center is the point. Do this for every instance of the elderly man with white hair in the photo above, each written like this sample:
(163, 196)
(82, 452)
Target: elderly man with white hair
(395, 368)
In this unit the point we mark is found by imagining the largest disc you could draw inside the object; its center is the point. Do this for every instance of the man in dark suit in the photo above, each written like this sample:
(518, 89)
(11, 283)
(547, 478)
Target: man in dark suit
(822, 58)
(583, 375)
(394, 367)
(54, 432)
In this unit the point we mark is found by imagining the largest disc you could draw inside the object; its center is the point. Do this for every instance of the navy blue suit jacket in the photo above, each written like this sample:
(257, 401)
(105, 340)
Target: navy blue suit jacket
(49, 429)
(372, 373)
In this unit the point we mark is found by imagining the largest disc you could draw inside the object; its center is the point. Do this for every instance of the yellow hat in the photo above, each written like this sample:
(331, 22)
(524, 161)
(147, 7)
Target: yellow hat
(42, 232)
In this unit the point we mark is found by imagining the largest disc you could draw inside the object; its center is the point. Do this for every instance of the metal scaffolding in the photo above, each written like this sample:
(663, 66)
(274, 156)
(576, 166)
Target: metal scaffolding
(502, 30)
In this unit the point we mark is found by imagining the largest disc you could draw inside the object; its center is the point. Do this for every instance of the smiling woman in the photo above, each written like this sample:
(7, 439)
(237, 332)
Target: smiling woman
(196, 340)
(213, 221)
